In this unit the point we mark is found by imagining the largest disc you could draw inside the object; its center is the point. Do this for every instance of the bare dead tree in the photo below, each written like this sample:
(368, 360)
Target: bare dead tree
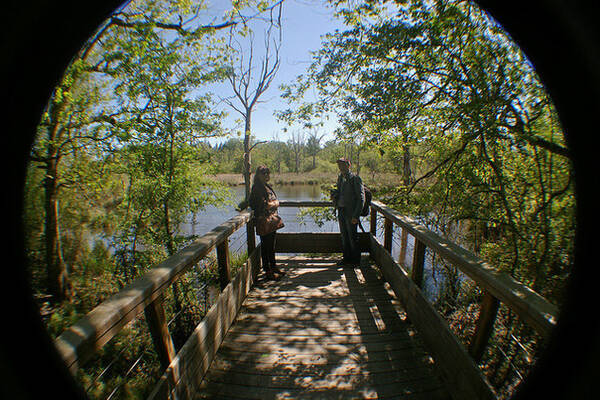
(313, 145)
(297, 145)
(250, 78)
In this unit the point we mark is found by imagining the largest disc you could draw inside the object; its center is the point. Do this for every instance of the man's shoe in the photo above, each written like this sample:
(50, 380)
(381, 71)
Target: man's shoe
(277, 270)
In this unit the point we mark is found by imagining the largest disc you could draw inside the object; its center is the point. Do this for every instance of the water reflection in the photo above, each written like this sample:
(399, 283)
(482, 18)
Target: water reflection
(212, 216)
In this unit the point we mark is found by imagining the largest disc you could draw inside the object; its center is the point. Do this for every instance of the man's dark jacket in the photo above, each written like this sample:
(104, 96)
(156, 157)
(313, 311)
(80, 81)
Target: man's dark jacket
(351, 187)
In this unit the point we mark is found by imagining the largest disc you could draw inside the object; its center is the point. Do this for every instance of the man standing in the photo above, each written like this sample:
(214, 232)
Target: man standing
(348, 199)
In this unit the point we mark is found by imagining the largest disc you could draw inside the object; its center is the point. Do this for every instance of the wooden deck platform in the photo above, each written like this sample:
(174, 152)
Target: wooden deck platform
(322, 332)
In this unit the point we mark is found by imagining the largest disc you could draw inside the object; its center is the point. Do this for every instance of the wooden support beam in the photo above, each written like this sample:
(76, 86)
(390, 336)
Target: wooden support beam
(250, 237)
(157, 323)
(373, 221)
(418, 263)
(485, 325)
(403, 245)
(388, 231)
(223, 263)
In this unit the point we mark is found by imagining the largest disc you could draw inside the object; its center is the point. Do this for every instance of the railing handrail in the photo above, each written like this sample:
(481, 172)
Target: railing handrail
(305, 203)
(80, 341)
(529, 305)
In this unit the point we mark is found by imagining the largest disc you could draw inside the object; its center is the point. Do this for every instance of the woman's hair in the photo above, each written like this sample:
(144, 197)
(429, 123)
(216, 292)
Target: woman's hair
(262, 170)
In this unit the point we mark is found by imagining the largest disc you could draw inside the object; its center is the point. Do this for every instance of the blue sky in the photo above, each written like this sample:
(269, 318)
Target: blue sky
(304, 22)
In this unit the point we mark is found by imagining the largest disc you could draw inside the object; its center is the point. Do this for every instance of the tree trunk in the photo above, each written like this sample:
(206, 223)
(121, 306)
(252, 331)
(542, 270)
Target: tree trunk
(406, 171)
(171, 248)
(247, 159)
(56, 269)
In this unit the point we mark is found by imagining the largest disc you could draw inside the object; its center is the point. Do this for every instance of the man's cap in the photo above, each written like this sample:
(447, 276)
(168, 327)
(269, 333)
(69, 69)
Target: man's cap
(344, 160)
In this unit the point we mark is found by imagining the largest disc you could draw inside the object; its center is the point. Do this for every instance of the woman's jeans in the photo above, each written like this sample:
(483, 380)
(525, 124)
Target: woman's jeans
(267, 250)
(349, 234)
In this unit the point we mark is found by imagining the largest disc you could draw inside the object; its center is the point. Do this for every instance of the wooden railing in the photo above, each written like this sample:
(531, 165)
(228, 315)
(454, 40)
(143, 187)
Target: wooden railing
(457, 363)
(498, 286)
(82, 340)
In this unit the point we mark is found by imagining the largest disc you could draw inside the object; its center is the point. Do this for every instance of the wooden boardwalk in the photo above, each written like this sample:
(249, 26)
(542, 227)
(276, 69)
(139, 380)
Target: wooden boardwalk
(322, 332)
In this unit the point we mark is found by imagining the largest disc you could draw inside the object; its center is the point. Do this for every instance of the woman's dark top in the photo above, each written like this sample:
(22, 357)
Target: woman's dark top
(260, 195)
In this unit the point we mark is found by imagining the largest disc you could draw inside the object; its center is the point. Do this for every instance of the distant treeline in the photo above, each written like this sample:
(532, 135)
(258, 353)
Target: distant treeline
(299, 155)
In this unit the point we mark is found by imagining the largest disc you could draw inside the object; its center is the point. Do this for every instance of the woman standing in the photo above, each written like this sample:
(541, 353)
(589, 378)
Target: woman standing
(264, 203)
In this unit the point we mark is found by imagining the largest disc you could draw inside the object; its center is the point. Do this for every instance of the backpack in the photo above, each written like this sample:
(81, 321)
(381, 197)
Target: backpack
(365, 210)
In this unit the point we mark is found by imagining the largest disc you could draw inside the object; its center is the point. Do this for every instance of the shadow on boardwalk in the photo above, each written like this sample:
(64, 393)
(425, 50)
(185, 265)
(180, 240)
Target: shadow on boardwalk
(322, 331)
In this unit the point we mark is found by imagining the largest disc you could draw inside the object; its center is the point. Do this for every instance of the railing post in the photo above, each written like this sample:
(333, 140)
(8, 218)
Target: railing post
(223, 263)
(388, 231)
(418, 263)
(403, 244)
(159, 330)
(250, 238)
(485, 325)
(373, 221)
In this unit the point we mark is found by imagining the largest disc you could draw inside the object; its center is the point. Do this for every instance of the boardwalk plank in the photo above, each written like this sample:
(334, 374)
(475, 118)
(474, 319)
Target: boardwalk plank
(322, 331)
(333, 390)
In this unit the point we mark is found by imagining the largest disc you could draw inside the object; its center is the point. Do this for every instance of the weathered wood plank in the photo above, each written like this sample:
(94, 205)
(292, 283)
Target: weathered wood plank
(324, 348)
(79, 342)
(223, 263)
(373, 222)
(409, 362)
(157, 323)
(250, 236)
(303, 364)
(485, 325)
(420, 389)
(529, 305)
(315, 242)
(401, 359)
(310, 298)
(309, 203)
(186, 371)
(343, 346)
(403, 246)
(416, 379)
(289, 378)
(418, 263)
(299, 340)
(318, 311)
(318, 329)
(388, 232)
(385, 321)
(461, 374)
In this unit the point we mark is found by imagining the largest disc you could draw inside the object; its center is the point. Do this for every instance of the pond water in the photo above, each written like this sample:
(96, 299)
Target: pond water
(208, 219)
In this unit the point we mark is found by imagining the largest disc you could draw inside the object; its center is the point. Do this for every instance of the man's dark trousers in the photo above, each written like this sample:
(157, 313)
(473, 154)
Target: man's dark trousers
(349, 234)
